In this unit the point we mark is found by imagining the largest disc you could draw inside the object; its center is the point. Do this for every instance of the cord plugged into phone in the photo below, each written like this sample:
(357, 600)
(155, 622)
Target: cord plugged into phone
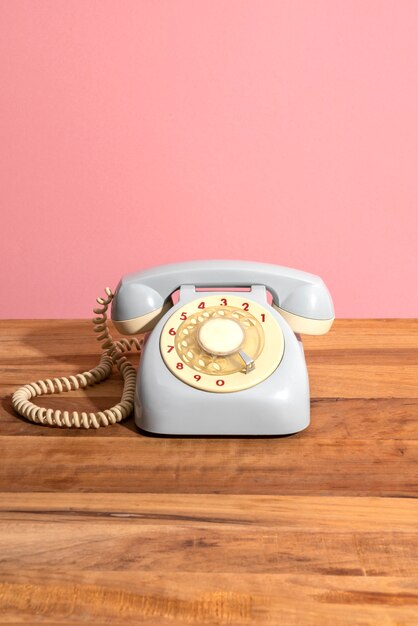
(216, 362)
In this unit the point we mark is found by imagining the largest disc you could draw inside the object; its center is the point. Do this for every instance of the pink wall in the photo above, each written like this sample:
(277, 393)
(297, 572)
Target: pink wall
(136, 133)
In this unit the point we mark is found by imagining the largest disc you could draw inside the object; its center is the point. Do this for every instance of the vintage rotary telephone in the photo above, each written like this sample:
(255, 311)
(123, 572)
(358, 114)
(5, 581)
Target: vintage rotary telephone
(217, 362)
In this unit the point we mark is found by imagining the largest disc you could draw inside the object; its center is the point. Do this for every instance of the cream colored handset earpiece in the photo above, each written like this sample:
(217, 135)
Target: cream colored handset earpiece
(217, 362)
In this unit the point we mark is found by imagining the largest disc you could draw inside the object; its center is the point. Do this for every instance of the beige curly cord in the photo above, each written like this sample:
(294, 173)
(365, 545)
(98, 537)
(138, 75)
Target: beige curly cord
(113, 354)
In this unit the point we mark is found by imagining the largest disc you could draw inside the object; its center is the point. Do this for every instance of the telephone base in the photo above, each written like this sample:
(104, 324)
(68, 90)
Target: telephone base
(279, 405)
(256, 420)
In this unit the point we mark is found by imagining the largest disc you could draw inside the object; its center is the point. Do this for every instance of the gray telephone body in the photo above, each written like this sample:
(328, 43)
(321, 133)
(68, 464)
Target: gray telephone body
(194, 377)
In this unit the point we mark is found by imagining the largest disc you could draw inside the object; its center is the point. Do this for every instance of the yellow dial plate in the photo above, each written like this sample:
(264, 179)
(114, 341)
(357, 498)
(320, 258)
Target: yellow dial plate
(201, 343)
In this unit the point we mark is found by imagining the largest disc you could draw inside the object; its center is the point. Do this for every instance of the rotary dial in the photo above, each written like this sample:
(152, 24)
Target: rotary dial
(222, 344)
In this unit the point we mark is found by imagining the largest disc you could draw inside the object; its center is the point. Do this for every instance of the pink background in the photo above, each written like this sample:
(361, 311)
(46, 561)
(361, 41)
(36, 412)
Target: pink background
(135, 133)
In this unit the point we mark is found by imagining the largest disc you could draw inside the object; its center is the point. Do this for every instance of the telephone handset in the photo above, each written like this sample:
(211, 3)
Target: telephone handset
(217, 362)
(302, 299)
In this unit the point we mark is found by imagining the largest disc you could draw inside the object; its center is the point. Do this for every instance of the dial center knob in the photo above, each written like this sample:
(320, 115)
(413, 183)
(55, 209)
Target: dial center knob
(220, 336)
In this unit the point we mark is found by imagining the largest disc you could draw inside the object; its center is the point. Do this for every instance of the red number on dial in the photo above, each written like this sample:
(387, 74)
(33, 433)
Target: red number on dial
(183, 316)
(179, 366)
(245, 306)
(263, 317)
(220, 382)
(201, 305)
(170, 348)
(197, 377)
(171, 331)
(224, 302)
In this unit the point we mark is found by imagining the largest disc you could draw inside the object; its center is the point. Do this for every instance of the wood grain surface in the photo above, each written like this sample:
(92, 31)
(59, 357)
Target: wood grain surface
(117, 527)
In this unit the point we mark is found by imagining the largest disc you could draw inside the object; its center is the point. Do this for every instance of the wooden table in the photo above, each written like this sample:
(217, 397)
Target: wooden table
(115, 527)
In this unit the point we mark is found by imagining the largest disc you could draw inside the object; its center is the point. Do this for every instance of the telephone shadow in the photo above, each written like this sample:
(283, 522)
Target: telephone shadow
(53, 363)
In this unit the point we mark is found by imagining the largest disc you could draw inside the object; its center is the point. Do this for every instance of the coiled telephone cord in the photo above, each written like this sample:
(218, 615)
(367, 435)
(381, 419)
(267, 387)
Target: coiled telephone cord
(113, 354)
